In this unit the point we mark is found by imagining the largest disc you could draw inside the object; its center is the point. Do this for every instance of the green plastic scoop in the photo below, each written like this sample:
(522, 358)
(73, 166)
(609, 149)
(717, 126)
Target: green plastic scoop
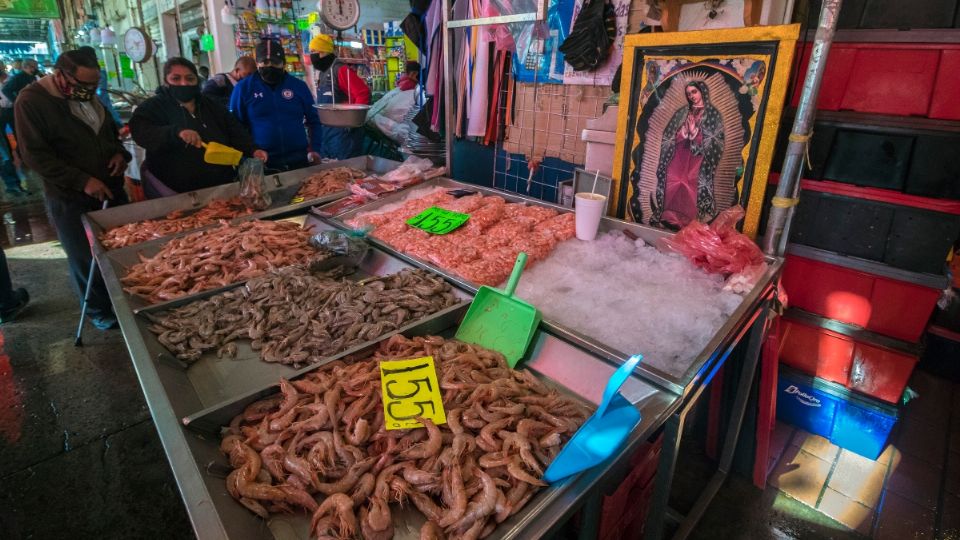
(221, 154)
(500, 321)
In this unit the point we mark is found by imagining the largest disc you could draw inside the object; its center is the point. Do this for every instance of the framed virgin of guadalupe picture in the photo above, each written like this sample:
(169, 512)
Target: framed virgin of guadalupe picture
(698, 120)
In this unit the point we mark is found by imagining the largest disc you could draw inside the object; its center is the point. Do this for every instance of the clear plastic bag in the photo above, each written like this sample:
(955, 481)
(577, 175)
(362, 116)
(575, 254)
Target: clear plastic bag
(253, 190)
(718, 248)
(345, 248)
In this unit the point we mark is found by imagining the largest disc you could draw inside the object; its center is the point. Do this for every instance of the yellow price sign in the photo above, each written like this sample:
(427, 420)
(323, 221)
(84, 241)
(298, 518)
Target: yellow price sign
(410, 390)
(297, 200)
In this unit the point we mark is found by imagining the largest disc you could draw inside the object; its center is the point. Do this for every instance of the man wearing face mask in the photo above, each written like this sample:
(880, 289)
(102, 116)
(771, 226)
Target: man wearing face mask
(171, 126)
(337, 83)
(278, 110)
(66, 136)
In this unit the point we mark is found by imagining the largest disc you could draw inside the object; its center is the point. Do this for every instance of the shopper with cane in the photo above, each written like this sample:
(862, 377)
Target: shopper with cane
(67, 137)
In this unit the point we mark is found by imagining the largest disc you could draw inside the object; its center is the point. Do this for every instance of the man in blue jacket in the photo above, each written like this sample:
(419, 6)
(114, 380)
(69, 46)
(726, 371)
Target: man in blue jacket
(278, 110)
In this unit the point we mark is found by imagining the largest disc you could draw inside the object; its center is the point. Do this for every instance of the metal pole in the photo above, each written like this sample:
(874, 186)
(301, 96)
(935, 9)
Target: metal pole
(447, 88)
(782, 210)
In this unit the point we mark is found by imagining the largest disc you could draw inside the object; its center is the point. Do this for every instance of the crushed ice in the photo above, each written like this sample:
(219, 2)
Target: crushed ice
(630, 296)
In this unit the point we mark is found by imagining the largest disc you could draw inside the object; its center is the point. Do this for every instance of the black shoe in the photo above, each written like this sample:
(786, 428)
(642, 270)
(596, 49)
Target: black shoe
(8, 314)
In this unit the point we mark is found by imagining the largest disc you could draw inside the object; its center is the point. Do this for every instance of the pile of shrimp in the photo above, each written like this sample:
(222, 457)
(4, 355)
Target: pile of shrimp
(320, 445)
(293, 316)
(218, 257)
(173, 223)
(484, 249)
(327, 181)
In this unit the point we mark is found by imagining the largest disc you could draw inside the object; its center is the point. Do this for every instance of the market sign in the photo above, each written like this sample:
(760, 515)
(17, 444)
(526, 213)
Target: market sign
(438, 220)
(126, 67)
(29, 9)
(207, 43)
(410, 391)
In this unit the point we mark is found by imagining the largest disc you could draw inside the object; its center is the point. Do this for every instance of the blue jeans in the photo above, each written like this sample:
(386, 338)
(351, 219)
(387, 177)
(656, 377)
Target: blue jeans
(65, 214)
(8, 172)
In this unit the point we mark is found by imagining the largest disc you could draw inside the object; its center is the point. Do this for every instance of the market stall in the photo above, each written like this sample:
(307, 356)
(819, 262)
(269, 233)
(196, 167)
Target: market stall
(192, 397)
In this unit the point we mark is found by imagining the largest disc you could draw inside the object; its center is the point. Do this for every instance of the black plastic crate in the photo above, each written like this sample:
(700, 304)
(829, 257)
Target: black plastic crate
(843, 225)
(935, 167)
(904, 237)
(920, 240)
(869, 159)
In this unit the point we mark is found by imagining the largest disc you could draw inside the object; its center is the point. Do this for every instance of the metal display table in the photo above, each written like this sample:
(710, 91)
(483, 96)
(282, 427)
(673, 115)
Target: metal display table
(280, 187)
(190, 403)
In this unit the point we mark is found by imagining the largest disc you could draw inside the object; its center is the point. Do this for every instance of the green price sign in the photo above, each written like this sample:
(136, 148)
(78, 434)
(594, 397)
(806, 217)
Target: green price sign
(437, 220)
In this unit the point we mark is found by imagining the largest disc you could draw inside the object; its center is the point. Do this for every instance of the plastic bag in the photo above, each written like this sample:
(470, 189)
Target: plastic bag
(410, 172)
(253, 190)
(718, 247)
(347, 248)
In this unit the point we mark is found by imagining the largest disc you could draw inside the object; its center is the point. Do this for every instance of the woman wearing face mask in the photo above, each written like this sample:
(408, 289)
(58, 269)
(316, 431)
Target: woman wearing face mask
(171, 127)
(277, 107)
(337, 83)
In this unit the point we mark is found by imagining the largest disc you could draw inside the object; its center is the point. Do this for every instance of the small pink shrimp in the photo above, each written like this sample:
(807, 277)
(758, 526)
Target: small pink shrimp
(338, 506)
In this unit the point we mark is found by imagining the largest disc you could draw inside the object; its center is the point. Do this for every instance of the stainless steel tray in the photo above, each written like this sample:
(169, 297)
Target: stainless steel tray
(281, 188)
(214, 380)
(558, 363)
(669, 376)
(121, 259)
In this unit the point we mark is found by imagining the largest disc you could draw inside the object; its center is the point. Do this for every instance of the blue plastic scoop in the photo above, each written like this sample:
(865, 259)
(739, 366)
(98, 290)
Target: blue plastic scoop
(603, 433)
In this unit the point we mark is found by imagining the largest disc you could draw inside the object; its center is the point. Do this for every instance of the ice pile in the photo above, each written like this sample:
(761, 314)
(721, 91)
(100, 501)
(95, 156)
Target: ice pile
(629, 296)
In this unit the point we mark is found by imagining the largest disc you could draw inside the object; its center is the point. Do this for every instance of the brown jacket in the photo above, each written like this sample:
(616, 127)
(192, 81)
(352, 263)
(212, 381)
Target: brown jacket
(60, 147)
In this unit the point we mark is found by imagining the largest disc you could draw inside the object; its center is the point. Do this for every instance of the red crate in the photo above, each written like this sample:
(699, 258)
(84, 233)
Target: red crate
(866, 368)
(880, 372)
(892, 81)
(907, 79)
(816, 351)
(626, 508)
(944, 104)
(890, 307)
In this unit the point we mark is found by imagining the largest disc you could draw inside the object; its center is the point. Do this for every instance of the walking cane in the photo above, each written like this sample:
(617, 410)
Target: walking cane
(86, 294)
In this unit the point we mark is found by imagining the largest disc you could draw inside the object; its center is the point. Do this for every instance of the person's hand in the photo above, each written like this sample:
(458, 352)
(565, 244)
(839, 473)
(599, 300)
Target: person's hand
(97, 189)
(191, 137)
(313, 157)
(117, 165)
(261, 155)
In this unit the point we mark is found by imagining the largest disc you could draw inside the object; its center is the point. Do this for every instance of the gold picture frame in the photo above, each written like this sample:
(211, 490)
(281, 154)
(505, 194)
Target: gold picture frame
(698, 120)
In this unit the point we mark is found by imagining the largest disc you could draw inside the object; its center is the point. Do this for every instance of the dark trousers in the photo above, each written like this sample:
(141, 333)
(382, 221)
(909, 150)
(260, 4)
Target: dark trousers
(6, 287)
(65, 212)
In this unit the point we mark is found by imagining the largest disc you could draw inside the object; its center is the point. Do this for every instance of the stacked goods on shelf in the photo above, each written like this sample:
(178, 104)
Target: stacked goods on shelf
(274, 19)
(879, 212)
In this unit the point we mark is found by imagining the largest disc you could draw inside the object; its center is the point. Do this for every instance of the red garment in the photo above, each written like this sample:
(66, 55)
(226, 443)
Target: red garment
(683, 174)
(406, 83)
(353, 86)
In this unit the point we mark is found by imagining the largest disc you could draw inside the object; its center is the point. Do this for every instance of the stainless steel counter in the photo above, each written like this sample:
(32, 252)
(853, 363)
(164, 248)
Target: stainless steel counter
(677, 379)
(190, 403)
(281, 187)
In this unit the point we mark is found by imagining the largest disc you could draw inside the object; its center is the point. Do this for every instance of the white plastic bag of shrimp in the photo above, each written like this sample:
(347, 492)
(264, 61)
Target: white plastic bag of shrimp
(253, 190)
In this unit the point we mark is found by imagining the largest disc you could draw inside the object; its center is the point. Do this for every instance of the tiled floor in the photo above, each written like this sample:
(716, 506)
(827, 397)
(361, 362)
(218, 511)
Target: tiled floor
(912, 491)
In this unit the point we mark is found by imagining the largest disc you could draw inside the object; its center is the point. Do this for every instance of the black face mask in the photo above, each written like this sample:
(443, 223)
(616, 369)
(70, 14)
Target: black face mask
(271, 75)
(184, 94)
(321, 64)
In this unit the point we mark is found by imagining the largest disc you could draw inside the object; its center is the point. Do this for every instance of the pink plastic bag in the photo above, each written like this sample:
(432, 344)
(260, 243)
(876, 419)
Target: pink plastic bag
(718, 247)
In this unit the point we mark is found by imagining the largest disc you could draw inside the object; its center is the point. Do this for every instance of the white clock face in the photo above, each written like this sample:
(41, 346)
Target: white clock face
(137, 44)
(340, 14)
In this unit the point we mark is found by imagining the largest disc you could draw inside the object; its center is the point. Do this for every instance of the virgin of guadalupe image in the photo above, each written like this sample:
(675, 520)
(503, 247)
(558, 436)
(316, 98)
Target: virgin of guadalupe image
(690, 152)
(690, 149)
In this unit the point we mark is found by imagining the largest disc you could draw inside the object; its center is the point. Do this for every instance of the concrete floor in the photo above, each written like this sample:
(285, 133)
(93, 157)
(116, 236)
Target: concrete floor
(79, 455)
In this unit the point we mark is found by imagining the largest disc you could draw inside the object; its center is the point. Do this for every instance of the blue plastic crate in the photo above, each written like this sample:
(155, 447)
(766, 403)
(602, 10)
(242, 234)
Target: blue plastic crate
(849, 420)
